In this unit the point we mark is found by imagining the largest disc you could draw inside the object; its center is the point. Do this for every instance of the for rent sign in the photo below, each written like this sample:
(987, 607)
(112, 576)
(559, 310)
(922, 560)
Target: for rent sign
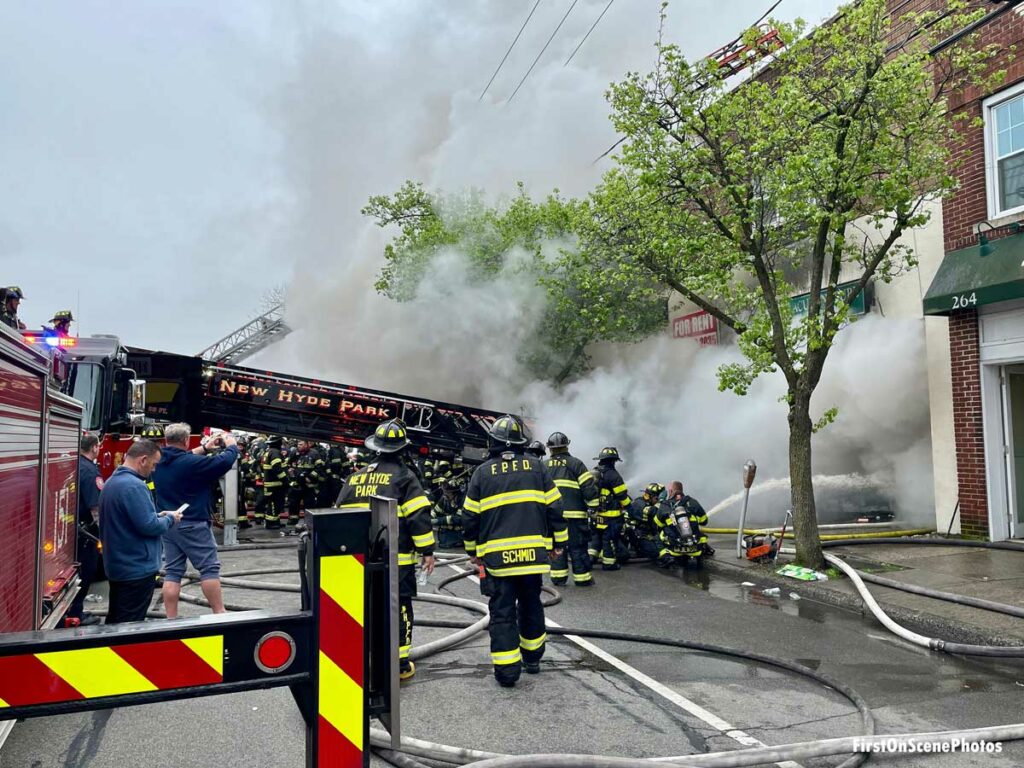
(701, 326)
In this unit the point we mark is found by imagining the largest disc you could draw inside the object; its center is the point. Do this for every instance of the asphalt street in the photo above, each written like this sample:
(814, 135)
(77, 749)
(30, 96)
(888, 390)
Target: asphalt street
(628, 699)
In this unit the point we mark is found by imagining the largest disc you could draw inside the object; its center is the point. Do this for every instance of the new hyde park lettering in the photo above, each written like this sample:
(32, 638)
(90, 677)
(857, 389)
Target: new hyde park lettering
(291, 396)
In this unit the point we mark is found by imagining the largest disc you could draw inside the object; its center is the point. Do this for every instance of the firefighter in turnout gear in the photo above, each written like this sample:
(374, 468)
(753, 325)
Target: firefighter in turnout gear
(536, 448)
(389, 476)
(307, 472)
(614, 501)
(272, 503)
(512, 522)
(10, 298)
(337, 470)
(679, 521)
(447, 515)
(248, 474)
(579, 502)
(643, 512)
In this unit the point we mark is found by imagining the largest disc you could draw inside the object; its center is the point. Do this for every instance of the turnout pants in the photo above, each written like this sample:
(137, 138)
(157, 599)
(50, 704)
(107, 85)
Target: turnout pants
(89, 557)
(607, 542)
(406, 592)
(271, 505)
(576, 551)
(517, 624)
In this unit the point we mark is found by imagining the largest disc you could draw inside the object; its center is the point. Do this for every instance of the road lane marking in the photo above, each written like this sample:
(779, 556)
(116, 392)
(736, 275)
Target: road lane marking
(691, 707)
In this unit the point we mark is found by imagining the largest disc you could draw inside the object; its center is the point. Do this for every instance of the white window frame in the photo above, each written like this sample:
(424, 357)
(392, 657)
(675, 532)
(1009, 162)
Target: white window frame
(991, 145)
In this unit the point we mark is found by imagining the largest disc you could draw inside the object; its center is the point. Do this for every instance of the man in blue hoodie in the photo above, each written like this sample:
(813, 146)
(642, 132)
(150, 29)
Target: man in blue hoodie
(188, 477)
(130, 529)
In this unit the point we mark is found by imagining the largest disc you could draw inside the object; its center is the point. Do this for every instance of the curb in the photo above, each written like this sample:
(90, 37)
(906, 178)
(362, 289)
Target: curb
(928, 624)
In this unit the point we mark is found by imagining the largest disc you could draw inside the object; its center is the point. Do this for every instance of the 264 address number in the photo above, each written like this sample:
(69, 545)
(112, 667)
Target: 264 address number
(965, 300)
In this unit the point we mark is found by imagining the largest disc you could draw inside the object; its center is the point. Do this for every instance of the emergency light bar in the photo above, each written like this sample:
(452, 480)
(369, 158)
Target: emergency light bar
(42, 338)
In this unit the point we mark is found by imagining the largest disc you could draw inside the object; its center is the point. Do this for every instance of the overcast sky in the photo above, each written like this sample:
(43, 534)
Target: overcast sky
(164, 163)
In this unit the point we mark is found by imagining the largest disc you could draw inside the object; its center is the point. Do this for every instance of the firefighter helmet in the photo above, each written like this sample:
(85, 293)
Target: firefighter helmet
(14, 292)
(536, 448)
(63, 316)
(389, 437)
(275, 441)
(558, 440)
(654, 490)
(608, 454)
(507, 431)
(152, 432)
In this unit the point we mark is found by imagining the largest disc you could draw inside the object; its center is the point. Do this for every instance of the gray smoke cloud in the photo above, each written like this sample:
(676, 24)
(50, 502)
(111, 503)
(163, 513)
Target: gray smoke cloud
(353, 128)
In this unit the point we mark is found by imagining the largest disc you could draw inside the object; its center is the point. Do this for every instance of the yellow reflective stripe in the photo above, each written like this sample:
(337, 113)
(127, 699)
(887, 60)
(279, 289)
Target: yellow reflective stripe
(3, 704)
(273, 462)
(424, 539)
(407, 558)
(341, 577)
(471, 505)
(611, 513)
(210, 650)
(354, 505)
(562, 536)
(512, 497)
(413, 505)
(580, 578)
(619, 488)
(469, 546)
(403, 651)
(532, 645)
(515, 542)
(341, 700)
(506, 657)
(518, 570)
(567, 483)
(574, 514)
(552, 496)
(95, 672)
(559, 573)
(584, 477)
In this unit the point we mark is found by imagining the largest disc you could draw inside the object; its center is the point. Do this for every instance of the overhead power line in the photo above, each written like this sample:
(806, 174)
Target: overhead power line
(571, 55)
(542, 51)
(505, 57)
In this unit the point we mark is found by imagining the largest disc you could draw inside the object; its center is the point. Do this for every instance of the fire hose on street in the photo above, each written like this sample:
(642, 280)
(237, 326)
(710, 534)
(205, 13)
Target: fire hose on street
(860, 746)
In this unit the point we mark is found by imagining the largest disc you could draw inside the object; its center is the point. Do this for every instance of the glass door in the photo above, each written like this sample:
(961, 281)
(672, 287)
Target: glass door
(1013, 403)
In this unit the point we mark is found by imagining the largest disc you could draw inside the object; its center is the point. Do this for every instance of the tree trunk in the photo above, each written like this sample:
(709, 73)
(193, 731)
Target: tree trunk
(805, 516)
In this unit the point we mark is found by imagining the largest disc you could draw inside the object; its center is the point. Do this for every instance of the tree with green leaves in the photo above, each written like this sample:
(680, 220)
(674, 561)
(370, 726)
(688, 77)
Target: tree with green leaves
(804, 176)
(588, 300)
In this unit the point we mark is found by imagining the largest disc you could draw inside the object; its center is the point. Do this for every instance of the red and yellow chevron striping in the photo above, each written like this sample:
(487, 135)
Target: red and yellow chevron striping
(116, 670)
(341, 723)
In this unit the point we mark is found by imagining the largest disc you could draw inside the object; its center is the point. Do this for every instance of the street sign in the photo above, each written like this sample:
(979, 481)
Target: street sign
(859, 306)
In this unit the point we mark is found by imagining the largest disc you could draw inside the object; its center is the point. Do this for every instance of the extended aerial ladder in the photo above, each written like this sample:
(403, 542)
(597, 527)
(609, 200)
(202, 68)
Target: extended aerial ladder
(257, 334)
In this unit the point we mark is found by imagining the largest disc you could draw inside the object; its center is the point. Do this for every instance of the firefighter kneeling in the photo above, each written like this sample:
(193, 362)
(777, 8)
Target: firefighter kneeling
(679, 520)
(512, 522)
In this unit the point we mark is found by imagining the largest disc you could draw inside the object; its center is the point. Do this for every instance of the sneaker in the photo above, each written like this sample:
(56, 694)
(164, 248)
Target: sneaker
(531, 668)
(407, 673)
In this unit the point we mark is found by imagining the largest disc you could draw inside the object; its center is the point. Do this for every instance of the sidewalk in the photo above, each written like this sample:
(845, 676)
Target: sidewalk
(992, 574)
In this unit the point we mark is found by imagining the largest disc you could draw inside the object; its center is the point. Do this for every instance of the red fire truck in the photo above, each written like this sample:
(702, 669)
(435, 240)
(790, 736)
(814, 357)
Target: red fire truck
(39, 432)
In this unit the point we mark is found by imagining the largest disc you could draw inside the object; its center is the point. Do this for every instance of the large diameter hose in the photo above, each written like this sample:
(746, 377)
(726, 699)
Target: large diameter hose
(932, 643)
(762, 755)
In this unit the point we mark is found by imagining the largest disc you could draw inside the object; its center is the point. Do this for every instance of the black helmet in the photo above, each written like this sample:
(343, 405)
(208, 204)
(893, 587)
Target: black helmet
(389, 437)
(536, 448)
(14, 292)
(507, 431)
(275, 441)
(558, 440)
(608, 454)
(653, 490)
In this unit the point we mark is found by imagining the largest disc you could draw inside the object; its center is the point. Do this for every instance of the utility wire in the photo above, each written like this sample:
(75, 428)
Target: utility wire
(588, 32)
(542, 51)
(505, 57)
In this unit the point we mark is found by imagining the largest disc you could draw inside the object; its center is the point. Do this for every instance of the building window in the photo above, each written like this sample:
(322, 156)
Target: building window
(1004, 150)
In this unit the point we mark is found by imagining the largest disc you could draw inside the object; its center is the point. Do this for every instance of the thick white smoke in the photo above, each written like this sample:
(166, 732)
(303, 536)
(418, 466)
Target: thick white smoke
(385, 91)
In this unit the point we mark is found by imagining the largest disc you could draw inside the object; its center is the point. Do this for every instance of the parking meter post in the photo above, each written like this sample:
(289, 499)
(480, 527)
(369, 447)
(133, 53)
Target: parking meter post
(338, 735)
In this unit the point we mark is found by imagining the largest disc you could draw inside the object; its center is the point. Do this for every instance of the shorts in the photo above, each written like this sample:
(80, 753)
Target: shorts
(192, 540)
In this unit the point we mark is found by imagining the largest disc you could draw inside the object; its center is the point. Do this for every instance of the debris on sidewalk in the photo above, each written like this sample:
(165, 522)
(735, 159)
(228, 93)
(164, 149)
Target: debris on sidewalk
(801, 573)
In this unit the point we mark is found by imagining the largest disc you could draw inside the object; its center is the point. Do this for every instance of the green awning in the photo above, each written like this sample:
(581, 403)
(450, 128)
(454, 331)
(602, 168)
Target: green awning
(968, 279)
